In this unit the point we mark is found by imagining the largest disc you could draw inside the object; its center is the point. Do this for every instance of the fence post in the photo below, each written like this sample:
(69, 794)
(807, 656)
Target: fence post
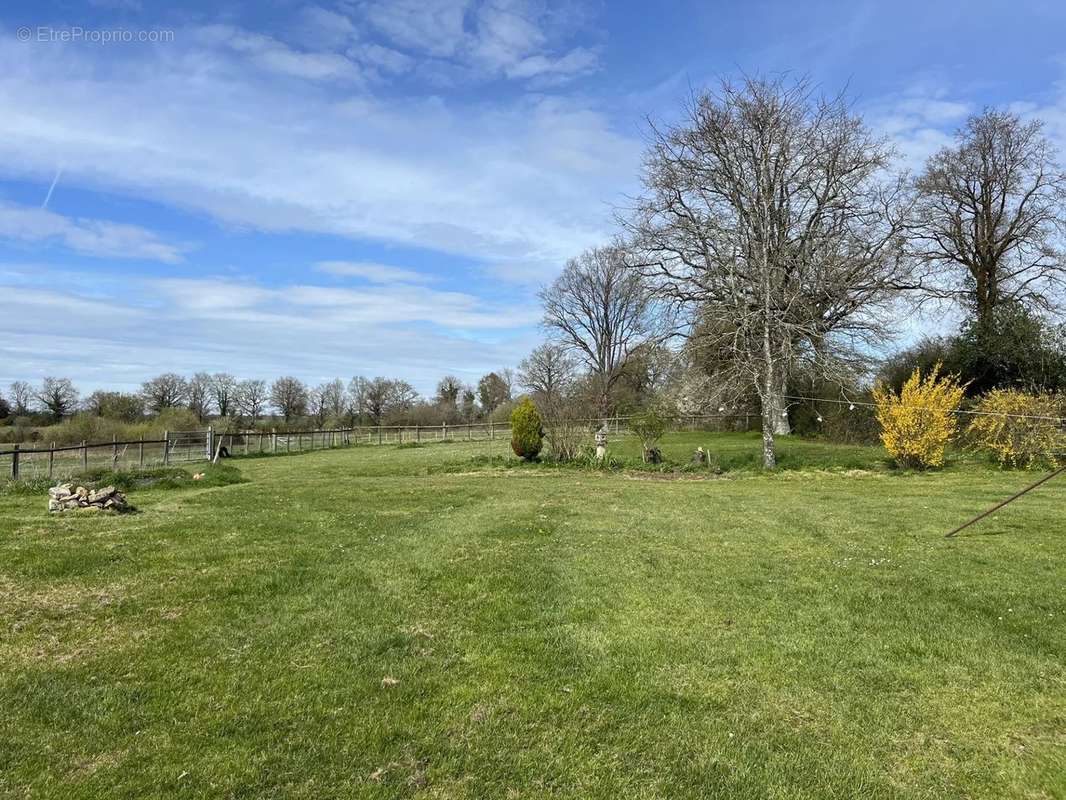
(418, 433)
(443, 431)
(84, 456)
(492, 430)
(15, 463)
(114, 450)
(209, 443)
(166, 448)
(51, 460)
(379, 433)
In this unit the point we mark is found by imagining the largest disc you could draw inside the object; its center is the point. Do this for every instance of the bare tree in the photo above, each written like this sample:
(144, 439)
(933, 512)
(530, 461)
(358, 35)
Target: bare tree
(402, 396)
(377, 398)
(58, 396)
(601, 311)
(250, 398)
(224, 391)
(289, 397)
(168, 390)
(199, 395)
(769, 211)
(326, 400)
(547, 372)
(21, 397)
(333, 399)
(989, 218)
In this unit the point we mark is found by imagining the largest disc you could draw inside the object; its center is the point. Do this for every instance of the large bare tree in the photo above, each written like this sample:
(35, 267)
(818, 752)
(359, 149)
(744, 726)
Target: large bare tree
(224, 389)
(289, 396)
(768, 210)
(249, 397)
(602, 312)
(58, 396)
(989, 219)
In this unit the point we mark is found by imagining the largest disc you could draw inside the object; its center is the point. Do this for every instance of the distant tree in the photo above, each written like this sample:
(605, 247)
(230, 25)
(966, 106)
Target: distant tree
(224, 391)
(548, 372)
(250, 398)
(493, 391)
(168, 390)
(448, 389)
(58, 396)
(21, 395)
(5, 407)
(402, 396)
(467, 404)
(199, 395)
(289, 397)
(601, 311)
(115, 405)
(333, 398)
(357, 396)
(989, 219)
(326, 400)
(377, 397)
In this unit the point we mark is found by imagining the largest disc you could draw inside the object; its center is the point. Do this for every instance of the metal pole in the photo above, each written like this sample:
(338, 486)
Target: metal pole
(140, 451)
(51, 460)
(15, 463)
(166, 448)
(84, 456)
(1010, 499)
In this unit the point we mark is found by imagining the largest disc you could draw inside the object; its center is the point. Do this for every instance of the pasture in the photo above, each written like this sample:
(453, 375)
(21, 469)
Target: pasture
(443, 622)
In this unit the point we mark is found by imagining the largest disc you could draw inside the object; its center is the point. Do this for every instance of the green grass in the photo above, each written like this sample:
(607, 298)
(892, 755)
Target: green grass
(555, 632)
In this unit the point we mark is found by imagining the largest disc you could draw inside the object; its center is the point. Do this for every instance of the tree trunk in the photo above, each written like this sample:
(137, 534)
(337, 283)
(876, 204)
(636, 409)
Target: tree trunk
(769, 454)
(768, 395)
(779, 406)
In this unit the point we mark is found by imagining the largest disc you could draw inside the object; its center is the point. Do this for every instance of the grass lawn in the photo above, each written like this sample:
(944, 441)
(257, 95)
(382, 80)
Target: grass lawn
(431, 622)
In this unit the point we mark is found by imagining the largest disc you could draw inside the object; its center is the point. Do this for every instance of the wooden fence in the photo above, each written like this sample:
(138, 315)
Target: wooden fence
(20, 462)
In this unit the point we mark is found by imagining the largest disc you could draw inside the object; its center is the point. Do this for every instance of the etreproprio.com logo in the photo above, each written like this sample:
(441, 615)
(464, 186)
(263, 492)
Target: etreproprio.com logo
(76, 33)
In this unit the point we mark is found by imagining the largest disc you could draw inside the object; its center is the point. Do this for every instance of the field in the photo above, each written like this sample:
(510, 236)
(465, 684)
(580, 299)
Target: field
(438, 621)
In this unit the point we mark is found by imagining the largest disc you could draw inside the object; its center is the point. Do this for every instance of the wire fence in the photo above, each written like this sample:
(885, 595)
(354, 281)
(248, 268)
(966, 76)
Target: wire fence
(36, 461)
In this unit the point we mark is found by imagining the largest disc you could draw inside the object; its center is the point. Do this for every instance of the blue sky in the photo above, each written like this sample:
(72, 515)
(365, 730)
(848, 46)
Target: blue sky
(373, 187)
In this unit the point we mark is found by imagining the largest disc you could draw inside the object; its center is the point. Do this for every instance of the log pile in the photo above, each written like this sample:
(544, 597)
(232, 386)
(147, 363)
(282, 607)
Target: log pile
(67, 497)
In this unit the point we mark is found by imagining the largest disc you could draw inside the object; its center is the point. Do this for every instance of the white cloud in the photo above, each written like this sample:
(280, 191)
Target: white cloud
(318, 27)
(508, 38)
(137, 327)
(433, 27)
(277, 57)
(91, 237)
(525, 182)
(374, 272)
(919, 120)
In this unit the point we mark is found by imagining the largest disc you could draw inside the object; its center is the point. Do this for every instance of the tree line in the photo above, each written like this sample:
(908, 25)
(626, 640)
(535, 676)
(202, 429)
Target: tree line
(287, 399)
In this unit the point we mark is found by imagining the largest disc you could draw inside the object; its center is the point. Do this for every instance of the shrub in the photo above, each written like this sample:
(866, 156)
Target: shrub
(1005, 428)
(564, 429)
(527, 436)
(649, 427)
(918, 423)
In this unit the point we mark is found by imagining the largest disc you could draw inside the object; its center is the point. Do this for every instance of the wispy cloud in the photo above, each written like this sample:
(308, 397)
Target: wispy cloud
(372, 271)
(526, 181)
(91, 237)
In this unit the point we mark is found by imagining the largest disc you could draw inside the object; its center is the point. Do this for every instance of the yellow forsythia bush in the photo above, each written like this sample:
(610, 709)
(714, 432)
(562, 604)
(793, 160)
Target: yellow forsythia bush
(918, 423)
(1005, 428)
